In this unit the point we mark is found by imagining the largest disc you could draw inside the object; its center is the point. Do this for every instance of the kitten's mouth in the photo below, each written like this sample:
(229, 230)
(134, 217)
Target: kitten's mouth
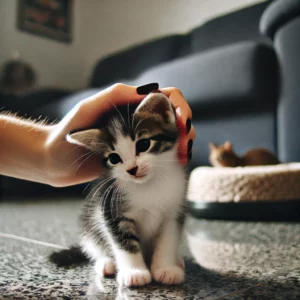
(140, 176)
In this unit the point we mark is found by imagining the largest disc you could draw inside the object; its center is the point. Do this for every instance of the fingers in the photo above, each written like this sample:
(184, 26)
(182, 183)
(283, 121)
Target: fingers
(185, 147)
(105, 100)
(182, 108)
(184, 123)
(88, 111)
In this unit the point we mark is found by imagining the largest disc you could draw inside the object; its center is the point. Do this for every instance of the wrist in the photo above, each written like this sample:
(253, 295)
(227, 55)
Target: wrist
(22, 148)
(52, 146)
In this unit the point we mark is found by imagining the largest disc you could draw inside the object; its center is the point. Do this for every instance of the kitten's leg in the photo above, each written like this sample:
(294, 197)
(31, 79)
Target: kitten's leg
(167, 267)
(132, 270)
(180, 263)
(104, 264)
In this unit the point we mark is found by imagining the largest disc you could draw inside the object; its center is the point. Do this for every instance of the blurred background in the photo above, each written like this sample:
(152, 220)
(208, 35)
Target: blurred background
(234, 60)
(98, 28)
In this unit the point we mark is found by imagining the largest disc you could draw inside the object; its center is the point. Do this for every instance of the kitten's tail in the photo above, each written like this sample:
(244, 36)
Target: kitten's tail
(69, 257)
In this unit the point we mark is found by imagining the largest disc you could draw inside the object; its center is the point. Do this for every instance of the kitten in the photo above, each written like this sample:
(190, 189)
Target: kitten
(224, 156)
(133, 220)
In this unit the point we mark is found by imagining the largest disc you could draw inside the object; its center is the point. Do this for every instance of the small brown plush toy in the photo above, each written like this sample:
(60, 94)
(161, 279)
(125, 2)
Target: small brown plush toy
(224, 156)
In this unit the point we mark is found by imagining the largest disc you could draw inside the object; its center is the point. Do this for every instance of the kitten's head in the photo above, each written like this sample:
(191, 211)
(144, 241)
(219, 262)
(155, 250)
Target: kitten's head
(223, 155)
(134, 142)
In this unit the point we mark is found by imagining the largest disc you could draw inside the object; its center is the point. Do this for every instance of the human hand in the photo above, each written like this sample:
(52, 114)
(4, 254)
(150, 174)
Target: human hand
(69, 164)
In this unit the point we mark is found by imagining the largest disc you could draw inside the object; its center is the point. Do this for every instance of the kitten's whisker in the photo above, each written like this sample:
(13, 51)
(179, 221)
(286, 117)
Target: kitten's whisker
(96, 189)
(118, 113)
(142, 120)
(162, 175)
(128, 118)
(101, 183)
(120, 196)
(142, 130)
(88, 185)
(116, 200)
(81, 157)
(106, 196)
(88, 157)
(76, 147)
(113, 198)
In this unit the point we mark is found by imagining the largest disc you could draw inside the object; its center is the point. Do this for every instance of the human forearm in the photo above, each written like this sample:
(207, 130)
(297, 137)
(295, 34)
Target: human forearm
(22, 148)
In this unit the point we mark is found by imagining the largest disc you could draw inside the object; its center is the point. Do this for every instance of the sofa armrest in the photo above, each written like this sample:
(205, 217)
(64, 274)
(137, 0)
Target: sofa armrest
(281, 21)
(278, 14)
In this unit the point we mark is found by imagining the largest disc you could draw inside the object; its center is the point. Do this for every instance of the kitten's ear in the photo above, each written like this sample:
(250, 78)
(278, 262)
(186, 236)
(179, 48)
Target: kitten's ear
(86, 138)
(158, 103)
(212, 146)
(228, 146)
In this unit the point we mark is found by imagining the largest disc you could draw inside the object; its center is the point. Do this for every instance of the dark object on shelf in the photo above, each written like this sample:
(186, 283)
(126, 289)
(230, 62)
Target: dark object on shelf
(17, 77)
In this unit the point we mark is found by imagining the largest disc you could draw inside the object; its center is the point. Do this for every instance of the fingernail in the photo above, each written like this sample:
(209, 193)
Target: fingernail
(190, 155)
(190, 146)
(147, 88)
(188, 125)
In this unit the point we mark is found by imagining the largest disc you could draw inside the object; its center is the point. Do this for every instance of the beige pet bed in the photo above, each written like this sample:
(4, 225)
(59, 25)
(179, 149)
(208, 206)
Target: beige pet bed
(261, 183)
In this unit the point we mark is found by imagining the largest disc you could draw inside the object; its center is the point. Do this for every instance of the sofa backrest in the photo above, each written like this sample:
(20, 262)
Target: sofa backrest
(241, 25)
(129, 63)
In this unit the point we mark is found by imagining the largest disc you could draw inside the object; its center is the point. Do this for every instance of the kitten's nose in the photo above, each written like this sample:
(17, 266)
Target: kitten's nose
(132, 171)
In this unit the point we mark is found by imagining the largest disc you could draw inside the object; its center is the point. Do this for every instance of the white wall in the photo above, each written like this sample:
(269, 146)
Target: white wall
(57, 64)
(103, 27)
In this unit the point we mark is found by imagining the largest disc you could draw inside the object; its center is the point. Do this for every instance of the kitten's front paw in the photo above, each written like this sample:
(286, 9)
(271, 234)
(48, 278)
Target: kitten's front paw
(105, 267)
(168, 275)
(180, 263)
(134, 277)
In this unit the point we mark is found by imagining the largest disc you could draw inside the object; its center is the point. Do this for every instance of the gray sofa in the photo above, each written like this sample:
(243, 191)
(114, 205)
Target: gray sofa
(239, 73)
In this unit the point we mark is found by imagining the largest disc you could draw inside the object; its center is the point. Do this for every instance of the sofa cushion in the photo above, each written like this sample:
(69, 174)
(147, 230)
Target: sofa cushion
(238, 26)
(129, 63)
(243, 74)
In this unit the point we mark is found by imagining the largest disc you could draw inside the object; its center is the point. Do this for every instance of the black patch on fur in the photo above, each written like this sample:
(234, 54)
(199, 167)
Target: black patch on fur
(164, 142)
(69, 257)
(156, 148)
(123, 236)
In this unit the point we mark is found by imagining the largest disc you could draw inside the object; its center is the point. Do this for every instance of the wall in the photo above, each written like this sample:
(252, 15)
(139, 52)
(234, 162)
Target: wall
(102, 27)
(57, 64)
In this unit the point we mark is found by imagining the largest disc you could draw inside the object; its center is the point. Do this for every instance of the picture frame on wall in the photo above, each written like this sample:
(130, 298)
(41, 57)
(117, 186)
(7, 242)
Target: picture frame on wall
(46, 18)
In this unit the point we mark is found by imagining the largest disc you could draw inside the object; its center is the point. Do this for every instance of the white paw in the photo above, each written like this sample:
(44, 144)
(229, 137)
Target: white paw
(134, 277)
(168, 275)
(180, 263)
(105, 267)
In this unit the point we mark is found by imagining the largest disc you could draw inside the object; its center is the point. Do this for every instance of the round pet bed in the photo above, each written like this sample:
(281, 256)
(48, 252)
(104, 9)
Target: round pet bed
(252, 193)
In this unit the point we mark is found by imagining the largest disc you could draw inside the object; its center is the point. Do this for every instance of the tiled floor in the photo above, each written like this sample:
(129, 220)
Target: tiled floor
(224, 260)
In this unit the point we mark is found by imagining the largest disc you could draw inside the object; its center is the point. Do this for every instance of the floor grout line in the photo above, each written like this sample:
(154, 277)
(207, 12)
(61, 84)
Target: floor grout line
(24, 239)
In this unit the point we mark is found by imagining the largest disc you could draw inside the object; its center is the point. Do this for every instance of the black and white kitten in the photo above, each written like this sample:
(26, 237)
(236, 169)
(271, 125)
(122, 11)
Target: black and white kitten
(132, 222)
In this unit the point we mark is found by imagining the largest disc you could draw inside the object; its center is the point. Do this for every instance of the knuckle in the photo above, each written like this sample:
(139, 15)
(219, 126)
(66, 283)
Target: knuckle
(178, 92)
(193, 133)
(81, 105)
(116, 88)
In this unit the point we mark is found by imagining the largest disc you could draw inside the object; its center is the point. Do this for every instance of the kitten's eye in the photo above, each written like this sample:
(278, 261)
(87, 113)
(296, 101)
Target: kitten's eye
(142, 145)
(114, 158)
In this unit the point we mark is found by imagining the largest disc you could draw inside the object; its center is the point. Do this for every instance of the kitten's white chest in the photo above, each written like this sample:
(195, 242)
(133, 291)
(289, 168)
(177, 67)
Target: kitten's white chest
(156, 201)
